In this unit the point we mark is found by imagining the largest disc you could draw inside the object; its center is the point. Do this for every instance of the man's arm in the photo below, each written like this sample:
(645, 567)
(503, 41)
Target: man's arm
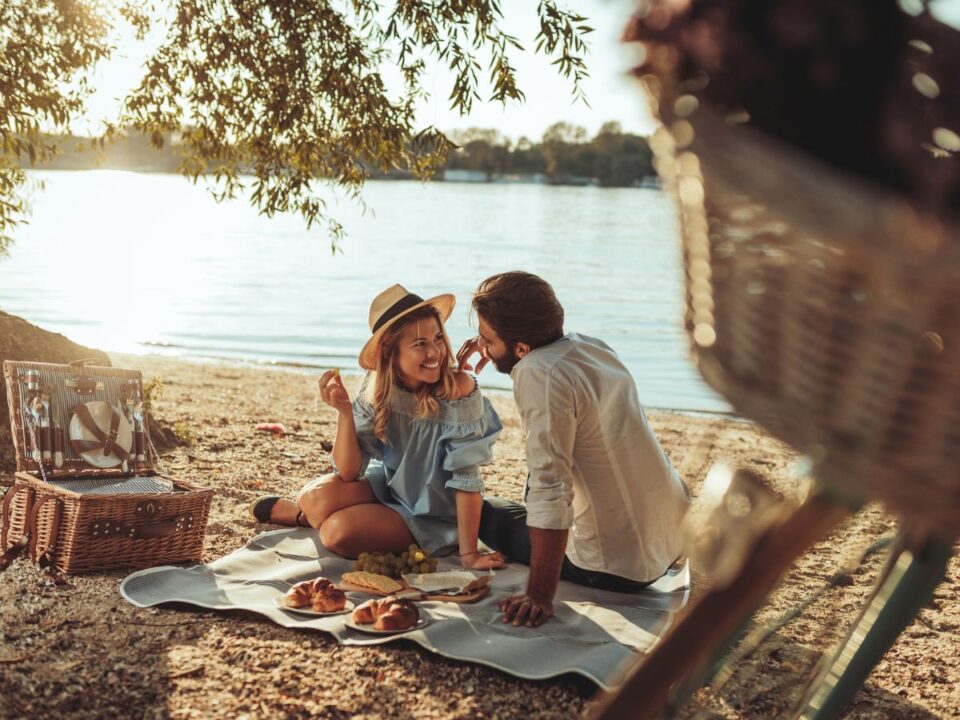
(547, 408)
(547, 549)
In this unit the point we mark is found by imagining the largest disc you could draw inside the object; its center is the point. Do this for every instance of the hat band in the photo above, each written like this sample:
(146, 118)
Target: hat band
(400, 306)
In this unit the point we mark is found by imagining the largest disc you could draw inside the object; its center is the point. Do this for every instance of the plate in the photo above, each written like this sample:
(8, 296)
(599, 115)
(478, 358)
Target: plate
(422, 622)
(101, 412)
(278, 601)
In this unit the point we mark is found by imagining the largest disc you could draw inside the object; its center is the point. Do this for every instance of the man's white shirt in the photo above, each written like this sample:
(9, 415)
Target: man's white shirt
(596, 468)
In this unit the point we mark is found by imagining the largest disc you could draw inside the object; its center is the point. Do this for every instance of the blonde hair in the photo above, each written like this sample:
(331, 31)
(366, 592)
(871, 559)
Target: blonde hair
(385, 380)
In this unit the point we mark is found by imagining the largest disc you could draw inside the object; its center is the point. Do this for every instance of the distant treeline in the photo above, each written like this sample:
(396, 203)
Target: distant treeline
(565, 155)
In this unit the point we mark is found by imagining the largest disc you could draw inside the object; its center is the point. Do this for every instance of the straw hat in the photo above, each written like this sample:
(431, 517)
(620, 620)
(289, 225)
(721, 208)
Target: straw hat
(391, 305)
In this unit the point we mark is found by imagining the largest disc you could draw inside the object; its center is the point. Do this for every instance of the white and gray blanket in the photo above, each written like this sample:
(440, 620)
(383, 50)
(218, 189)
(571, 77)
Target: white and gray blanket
(594, 633)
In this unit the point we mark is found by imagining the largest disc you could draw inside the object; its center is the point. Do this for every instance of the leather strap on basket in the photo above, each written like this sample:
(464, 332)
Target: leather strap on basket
(106, 441)
(108, 530)
(46, 558)
(5, 516)
(5, 519)
(10, 554)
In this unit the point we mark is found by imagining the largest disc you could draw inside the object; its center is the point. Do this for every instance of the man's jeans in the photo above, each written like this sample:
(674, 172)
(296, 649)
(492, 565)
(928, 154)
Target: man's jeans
(503, 526)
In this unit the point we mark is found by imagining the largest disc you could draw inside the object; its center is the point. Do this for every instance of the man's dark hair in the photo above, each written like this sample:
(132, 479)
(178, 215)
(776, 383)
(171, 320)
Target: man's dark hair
(521, 308)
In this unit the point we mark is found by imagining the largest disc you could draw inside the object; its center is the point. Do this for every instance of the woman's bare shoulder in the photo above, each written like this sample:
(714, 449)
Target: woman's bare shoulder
(464, 384)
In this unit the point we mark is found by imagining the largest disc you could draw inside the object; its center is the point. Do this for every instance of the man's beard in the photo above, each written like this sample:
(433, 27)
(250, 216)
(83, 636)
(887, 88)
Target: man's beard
(505, 362)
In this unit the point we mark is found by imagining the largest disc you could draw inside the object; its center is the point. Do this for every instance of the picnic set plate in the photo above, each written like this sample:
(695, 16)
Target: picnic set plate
(422, 622)
(278, 601)
(101, 413)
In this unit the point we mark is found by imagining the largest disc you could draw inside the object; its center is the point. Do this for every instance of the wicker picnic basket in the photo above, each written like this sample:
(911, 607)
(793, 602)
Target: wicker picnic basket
(89, 496)
(824, 308)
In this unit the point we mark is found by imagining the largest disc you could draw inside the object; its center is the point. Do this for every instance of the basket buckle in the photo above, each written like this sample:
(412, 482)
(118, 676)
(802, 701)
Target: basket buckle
(149, 508)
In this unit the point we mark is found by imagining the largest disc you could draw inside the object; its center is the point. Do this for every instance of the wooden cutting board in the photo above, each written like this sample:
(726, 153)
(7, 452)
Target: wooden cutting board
(409, 593)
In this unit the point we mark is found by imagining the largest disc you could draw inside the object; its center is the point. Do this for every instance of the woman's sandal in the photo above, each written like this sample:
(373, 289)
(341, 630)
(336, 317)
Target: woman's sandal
(263, 506)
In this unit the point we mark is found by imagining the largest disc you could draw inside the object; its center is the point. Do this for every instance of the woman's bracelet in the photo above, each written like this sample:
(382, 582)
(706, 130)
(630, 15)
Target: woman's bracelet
(475, 552)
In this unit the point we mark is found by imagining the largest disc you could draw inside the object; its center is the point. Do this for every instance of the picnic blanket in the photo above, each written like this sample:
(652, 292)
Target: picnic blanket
(594, 633)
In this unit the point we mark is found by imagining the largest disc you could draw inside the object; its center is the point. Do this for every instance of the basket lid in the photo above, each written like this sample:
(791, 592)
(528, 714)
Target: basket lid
(77, 420)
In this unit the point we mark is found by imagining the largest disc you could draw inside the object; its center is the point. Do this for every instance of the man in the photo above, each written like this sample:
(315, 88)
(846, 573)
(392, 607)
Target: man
(603, 503)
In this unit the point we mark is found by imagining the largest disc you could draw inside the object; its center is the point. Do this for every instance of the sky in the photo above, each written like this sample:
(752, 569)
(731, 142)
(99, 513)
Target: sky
(611, 93)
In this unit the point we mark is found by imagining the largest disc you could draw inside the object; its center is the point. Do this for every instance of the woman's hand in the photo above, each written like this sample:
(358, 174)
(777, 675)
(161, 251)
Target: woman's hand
(482, 561)
(467, 350)
(333, 393)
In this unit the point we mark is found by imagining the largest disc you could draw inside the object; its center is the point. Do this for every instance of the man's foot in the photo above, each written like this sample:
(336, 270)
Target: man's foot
(276, 510)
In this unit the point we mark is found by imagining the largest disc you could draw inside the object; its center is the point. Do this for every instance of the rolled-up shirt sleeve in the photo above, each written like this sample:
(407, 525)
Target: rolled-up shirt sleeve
(548, 411)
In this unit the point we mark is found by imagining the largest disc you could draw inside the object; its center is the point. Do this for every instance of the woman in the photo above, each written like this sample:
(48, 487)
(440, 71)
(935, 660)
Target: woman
(408, 450)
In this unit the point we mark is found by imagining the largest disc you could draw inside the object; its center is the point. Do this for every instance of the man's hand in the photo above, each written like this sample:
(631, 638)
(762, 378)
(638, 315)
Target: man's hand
(469, 348)
(525, 610)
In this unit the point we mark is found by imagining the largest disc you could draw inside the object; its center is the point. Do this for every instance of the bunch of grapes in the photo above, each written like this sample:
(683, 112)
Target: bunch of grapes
(412, 560)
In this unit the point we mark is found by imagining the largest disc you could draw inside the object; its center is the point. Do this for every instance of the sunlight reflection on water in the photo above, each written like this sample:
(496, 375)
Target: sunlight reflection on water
(150, 263)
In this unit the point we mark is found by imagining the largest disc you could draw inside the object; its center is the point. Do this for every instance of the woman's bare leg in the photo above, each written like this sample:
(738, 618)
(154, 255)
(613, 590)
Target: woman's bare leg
(320, 498)
(368, 527)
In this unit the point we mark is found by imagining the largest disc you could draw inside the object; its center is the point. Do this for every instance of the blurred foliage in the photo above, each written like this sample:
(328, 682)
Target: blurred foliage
(612, 158)
(184, 433)
(47, 50)
(152, 392)
(288, 91)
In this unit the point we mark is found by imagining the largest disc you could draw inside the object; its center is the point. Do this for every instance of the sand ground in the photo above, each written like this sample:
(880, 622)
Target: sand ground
(80, 651)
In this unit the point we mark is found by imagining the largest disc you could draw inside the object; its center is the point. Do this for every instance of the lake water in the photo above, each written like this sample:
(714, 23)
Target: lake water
(150, 263)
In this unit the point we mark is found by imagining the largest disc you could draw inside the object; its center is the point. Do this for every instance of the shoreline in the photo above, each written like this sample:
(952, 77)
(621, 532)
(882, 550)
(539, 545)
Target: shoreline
(178, 662)
(315, 370)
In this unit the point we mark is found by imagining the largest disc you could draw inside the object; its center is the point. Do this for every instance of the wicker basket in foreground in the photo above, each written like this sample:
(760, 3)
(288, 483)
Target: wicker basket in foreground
(826, 310)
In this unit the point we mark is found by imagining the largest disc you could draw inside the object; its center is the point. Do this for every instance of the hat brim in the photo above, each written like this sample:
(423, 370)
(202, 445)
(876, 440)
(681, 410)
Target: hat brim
(368, 355)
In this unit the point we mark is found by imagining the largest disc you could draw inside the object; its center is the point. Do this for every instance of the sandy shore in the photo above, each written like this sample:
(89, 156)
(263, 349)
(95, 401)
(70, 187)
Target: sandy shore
(81, 651)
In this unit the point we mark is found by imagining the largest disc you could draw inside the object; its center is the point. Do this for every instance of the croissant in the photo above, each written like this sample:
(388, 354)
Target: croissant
(363, 614)
(387, 614)
(298, 596)
(329, 599)
(400, 615)
(319, 593)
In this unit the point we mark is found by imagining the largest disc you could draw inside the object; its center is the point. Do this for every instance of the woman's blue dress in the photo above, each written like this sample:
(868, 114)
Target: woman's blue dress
(426, 460)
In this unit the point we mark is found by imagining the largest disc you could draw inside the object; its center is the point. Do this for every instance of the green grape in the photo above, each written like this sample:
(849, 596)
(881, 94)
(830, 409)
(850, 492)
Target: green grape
(424, 567)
